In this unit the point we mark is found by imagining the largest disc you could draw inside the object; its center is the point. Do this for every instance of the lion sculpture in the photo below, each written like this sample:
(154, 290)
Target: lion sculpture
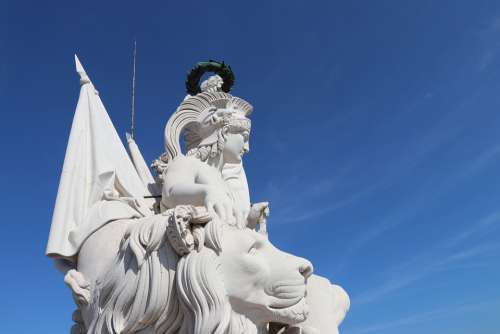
(203, 277)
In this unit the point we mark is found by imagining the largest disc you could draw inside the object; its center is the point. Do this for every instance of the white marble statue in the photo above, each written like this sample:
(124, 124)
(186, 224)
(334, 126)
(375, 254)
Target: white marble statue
(197, 258)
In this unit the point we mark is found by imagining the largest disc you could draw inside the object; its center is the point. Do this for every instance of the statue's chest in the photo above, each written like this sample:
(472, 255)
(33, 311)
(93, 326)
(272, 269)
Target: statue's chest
(212, 177)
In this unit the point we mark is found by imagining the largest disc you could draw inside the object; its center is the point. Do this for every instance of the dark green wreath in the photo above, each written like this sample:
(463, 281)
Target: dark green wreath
(219, 68)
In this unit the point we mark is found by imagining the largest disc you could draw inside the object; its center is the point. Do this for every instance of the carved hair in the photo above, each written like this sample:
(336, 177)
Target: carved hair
(208, 151)
(139, 290)
(149, 285)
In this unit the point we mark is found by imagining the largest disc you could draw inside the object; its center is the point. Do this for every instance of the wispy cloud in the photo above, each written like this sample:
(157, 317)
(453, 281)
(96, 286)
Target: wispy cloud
(482, 161)
(440, 257)
(436, 138)
(426, 317)
(298, 199)
(311, 214)
(299, 194)
(489, 39)
(481, 226)
(414, 205)
(420, 267)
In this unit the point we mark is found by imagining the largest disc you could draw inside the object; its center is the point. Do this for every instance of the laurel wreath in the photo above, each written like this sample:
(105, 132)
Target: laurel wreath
(219, 68)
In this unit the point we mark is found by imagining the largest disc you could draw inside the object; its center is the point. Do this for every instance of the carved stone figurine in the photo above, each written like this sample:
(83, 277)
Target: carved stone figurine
(195, 259)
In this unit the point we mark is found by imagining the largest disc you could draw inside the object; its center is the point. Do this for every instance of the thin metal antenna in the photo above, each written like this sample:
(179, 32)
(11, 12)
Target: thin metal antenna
(132, 122)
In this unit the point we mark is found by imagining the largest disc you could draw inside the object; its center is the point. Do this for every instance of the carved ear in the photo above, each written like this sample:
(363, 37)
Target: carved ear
(185, 228)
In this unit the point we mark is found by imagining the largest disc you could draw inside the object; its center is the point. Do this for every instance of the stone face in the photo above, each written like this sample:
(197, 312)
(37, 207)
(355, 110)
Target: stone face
(185, 251)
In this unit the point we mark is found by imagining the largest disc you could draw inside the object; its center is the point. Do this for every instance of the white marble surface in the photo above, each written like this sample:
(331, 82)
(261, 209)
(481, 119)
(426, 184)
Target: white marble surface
(198, 259)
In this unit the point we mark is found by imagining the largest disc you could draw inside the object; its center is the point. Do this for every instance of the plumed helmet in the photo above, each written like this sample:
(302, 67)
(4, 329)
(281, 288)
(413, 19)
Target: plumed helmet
(200, 117)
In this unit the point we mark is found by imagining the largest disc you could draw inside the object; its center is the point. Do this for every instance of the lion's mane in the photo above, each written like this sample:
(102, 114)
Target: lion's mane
(150, 286)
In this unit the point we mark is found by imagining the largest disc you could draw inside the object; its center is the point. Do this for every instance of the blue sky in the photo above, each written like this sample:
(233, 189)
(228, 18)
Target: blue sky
(376, 138)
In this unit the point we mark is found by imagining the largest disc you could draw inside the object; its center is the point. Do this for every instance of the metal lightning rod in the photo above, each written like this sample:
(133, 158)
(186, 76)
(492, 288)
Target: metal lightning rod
(132, 122)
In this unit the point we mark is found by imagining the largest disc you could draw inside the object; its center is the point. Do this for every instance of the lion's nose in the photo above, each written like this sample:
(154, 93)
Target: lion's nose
(305, 268)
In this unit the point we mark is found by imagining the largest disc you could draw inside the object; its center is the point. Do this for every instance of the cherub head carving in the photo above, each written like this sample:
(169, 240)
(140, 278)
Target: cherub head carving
(208, 121)
(212, 84)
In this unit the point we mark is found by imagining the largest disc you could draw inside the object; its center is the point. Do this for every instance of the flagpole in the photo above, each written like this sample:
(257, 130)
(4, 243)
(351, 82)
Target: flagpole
(132, 121)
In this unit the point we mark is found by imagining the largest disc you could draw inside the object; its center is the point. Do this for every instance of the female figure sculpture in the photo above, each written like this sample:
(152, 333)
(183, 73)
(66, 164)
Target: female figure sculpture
(216, 132)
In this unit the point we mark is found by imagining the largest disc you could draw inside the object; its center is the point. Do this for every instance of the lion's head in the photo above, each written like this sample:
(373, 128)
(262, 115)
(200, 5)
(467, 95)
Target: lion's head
(231, 280)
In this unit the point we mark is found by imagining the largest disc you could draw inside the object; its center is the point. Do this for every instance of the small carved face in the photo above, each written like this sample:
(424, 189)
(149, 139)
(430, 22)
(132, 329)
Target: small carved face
(261, 281)
(235, 146)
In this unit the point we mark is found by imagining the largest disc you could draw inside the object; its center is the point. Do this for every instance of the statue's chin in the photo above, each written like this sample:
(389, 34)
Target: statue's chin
(292, 314)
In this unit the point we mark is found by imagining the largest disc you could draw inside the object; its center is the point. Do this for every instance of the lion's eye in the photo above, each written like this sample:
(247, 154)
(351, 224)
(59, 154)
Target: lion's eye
(252, 250)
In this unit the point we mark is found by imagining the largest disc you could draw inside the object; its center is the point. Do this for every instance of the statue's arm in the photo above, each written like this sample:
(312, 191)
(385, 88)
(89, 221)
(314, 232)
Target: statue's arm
(259, 212)
(179, 186)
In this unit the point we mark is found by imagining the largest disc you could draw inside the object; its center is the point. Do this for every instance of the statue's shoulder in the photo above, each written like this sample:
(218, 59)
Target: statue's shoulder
(183, 165)
(185, 161)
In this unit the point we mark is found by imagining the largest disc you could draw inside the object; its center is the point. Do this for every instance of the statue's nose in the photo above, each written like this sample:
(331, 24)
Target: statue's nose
(305, 268)
(246, 147)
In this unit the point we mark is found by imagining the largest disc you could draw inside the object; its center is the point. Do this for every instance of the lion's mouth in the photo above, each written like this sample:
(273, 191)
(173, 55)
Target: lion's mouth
(289, 304)
(286, 294)
(290, 315)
